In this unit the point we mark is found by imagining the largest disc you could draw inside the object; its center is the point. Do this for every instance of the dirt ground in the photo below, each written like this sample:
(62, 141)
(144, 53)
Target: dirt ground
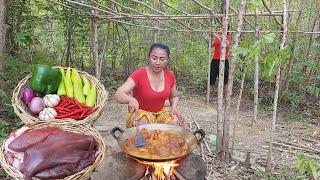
(254, 139)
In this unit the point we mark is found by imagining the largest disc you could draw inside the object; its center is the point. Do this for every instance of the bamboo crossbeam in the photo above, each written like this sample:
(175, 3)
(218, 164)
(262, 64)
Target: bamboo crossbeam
(169, 28)
(184, 13)
(160, 12)
(75, 9)
(121, 5)
(266, 6)
(109, 9)
(203, 6)
(245, 19)
(92, 7)
(184, 16)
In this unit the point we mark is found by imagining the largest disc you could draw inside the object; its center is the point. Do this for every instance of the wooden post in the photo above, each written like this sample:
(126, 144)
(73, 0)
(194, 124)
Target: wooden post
(105, 50)
(230, 80)
(209, 67)
(3, 30)
(256, 77)
(294, 41)
(220, 152)
(276, 94)
(94, 30)
(238, 107)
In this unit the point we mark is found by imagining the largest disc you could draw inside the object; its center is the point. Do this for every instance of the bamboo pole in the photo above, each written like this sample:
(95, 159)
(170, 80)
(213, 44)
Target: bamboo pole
(3, 31)
(276, 94)
(238, 107)
(291, 59)
(266, 6)
(184, 13)
(161, 13)
(230, 80)
(94, 41)
(220, 152)
(209, 67)
(140, 13)
(256, 78)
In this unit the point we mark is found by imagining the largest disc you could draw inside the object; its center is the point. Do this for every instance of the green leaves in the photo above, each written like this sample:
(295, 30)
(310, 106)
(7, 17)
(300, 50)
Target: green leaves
(313, 90)
(213, 140)
(268, 38)
(307, 167)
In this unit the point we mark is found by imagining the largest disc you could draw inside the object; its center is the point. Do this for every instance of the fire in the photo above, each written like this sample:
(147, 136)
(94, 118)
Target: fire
(162, 170)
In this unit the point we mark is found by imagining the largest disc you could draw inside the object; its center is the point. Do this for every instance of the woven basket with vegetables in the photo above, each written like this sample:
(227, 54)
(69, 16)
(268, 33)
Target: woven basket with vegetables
(51, 150)
(61, 94)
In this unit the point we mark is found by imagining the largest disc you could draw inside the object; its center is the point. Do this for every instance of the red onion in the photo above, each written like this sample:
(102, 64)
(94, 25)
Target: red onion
(27, 95)
(36, 105)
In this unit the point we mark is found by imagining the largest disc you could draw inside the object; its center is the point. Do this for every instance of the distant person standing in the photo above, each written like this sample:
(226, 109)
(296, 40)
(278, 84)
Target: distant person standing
(215, 63)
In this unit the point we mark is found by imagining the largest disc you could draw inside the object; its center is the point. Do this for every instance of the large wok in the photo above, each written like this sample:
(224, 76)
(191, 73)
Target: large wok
(191, 138)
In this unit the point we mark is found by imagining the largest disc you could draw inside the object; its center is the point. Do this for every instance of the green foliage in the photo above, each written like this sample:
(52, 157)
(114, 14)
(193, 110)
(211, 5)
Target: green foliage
(307, 167)
(4, 131)
(313, 90)
(213, 140)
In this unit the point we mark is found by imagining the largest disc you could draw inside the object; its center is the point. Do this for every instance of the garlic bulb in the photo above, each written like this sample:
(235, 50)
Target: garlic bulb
(51, 100)
(47, 114)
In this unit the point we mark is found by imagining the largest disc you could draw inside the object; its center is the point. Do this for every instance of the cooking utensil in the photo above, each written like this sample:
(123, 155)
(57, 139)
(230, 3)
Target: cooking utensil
(192, 138)
(139, 140)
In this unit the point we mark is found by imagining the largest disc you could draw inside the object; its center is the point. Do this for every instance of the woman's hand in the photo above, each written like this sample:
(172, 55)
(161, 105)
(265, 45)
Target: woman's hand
(133, 106)
(176, 112)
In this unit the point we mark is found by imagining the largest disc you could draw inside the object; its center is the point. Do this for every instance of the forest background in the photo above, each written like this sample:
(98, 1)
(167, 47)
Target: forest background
(39, 31)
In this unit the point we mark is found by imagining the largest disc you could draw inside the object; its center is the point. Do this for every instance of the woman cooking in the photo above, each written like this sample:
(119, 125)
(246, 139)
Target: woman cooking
(150, 86)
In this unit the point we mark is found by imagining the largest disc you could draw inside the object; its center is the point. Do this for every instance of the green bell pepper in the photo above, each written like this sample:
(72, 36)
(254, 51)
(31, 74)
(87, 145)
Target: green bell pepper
(45, 80)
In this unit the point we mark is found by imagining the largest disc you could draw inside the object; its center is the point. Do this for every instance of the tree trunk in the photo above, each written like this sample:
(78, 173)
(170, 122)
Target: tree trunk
(294, 42)
(129, 59)
(69, 36)
(256, 78)
(3, 30)
(113, 63)
(220, 119)
(95, 56)
(276, 94)
(309, 45)
(230, 80)
(209, 68)
(104, 60)
(238, 107)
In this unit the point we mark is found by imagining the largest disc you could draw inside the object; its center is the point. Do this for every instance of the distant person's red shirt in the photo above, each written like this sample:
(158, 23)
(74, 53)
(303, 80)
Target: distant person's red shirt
(216, 43)
(150, 100)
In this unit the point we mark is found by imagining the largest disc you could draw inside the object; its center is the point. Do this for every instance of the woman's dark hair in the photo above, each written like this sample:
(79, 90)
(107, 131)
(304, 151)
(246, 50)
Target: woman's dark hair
(161, 46)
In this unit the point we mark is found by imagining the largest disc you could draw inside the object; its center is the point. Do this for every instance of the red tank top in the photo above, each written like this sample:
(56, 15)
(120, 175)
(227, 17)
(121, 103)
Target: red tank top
(150, 100)
(216, 43)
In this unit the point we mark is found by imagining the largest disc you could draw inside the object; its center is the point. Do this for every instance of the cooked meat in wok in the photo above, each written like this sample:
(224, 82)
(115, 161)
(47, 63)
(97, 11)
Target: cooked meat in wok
(159, 144)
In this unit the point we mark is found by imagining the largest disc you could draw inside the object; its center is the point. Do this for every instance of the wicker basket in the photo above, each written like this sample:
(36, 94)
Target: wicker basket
(76, 128)
(21, 109)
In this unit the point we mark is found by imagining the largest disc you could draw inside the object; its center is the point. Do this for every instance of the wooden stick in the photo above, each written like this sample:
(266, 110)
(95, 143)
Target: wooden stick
(276, 94)
(299, 145)
(179, 176)
(292, 152)
(265, 5)
(209, 68)
(295, 147)
(184, 13)
(160, 12)
(140, 13)
(198, 127)
(92, 7)
(245, 19)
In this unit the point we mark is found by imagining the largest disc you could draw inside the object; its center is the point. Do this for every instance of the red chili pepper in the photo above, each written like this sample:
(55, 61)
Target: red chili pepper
(62, 108)
(83, 114)
(90, 112)
(71, 106)
(69, 115)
